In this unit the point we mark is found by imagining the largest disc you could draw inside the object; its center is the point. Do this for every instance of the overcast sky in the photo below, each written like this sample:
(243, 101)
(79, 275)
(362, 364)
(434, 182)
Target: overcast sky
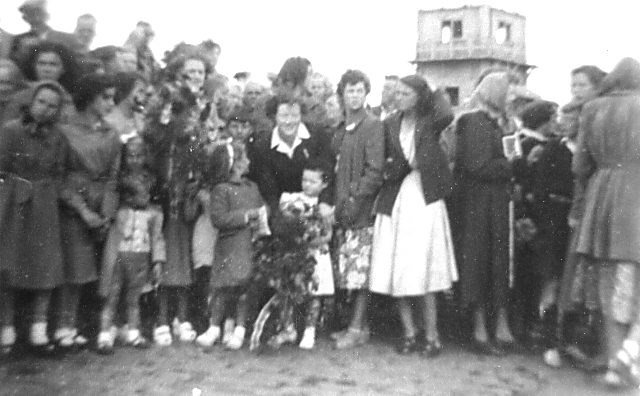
(378, 37)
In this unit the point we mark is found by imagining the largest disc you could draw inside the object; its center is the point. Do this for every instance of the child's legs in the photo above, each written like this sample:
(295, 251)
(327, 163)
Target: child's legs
(136, 266)
(7, 302)
(113, 297)
(163, 305)
(242, 307)
(201, 293)
(218, 305)
(313, 312)
(41, 300)
(68, 305)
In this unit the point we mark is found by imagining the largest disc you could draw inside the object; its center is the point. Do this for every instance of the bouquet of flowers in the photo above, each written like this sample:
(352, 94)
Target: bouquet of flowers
(285, 261)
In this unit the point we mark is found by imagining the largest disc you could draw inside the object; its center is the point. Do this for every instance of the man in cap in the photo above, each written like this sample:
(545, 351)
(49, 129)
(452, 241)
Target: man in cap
(34, 12)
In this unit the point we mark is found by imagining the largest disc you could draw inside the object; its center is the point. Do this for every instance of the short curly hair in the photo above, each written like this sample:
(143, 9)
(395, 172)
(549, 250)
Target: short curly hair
(272, 105)
(89, 87)
(177, 58)
(352, 77)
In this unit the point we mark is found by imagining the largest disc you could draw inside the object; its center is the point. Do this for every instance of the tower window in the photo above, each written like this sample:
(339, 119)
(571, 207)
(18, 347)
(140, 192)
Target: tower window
(451, 29)
(503, 34)
(454, 95)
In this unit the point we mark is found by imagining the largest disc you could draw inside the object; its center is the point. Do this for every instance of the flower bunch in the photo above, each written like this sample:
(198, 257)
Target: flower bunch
(285, 260)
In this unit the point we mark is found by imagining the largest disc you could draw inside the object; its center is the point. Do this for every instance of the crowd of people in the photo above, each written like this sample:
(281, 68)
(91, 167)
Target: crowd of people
(126, 185)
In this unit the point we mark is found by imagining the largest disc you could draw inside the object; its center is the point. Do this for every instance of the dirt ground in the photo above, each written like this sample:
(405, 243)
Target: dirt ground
(370, 370)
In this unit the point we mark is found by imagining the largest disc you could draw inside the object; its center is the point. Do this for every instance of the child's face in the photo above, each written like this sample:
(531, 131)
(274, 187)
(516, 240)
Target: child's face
(239, 130)
(312, 183)
(135, 156)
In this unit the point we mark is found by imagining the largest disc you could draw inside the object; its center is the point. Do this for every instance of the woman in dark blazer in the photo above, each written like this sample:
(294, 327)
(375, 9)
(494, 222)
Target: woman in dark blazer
(412, 247)
(280, 156)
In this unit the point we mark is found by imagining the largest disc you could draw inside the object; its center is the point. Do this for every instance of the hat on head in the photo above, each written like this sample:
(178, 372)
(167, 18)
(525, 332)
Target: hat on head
(537, 113)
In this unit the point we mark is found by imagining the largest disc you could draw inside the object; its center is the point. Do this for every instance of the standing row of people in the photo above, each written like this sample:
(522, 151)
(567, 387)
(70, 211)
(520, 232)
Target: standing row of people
(179, 206)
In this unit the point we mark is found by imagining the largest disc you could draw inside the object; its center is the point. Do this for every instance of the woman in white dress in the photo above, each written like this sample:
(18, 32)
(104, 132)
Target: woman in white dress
(412, 247)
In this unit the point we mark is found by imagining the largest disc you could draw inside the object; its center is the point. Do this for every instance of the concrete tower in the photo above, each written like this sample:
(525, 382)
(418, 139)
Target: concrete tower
(456, 45)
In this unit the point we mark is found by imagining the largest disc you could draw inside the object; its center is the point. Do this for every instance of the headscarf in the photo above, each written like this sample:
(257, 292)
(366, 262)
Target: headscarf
(35, 88)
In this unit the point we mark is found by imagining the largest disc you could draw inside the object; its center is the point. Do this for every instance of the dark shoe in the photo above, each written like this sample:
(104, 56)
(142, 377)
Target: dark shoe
(407, 345)
(431, 348)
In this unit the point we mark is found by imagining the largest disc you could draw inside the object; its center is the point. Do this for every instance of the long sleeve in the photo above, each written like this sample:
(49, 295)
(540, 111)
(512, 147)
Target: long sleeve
(371, 180)
(158, 245)
(477, 157)
(111, 198)
(6, 137)
(221, 216)
(583, 164)
(265, 179)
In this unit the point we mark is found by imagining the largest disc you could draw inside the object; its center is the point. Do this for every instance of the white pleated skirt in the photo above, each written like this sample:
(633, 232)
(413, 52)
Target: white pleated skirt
(412, 249)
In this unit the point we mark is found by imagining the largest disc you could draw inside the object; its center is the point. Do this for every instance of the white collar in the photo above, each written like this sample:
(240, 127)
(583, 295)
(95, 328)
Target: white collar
(533, 134)
(282, 147)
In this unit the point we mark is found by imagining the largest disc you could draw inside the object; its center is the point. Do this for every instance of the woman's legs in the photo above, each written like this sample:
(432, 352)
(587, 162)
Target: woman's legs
(359, 319)
(41, 301)
(430, 317)
(480, 333)
(405, 309)
(358, 332)
(69, 301)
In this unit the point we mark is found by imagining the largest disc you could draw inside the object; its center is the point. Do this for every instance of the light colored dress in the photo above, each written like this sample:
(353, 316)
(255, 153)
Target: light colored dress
(412, 249)
(204, 239)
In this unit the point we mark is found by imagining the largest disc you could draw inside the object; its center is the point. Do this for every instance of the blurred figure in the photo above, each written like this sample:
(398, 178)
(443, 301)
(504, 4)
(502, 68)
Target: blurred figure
(211, 51)
(85, 32)
(34, 12)
(11, 82)
(334, 111)
(388, 101)
(607, 164)
(253, 104)
(5, 44)
(138, 43)
(127, 117)
(292, 78)
(319, 89)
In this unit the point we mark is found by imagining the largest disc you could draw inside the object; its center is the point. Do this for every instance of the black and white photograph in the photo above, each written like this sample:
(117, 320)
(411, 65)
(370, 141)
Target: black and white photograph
(319, 198)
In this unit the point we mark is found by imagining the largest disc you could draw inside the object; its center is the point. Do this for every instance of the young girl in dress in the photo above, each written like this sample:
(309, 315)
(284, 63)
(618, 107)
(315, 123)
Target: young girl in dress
(134, 250)
(315, 179)
(235, 211)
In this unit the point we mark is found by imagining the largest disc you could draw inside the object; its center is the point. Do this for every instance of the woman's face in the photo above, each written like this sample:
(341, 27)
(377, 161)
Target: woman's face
(193, 73)
(354, 96)
(7, 82)
(48, 66)
(406, 97)
(288, 119)
(103, 103)
(581, 87)
(316, 88)
(135, 156)
(45, 105)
